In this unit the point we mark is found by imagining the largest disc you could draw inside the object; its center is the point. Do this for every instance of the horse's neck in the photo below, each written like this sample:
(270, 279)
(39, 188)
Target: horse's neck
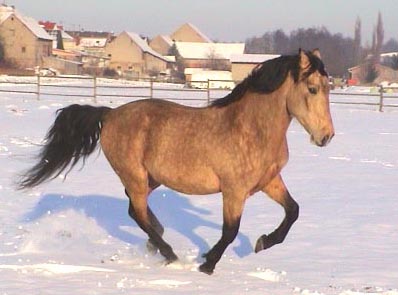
(264, 113)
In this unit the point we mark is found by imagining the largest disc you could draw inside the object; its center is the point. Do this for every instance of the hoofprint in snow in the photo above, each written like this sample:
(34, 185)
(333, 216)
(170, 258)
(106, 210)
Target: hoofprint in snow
(73, 235)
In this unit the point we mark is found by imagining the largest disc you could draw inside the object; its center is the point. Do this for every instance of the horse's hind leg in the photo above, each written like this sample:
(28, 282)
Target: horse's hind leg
(153, 219)
(138, 194)
(277, 191)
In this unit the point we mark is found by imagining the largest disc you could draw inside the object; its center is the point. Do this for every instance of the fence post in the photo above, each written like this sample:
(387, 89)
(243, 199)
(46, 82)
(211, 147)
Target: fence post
(95, 88)
(208, 92)
(38, 86)
(381, 103)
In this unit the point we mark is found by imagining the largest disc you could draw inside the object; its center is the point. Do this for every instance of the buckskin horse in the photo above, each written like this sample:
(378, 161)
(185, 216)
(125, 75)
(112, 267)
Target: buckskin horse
(237, 146)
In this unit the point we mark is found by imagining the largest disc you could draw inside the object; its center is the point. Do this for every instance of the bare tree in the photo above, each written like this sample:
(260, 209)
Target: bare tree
(216, 62)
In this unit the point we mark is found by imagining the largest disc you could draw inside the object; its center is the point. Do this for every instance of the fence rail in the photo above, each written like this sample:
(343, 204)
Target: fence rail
(45, 86)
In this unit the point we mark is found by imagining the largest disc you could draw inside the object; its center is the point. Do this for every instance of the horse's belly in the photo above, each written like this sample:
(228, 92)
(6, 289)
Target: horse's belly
(199, 181)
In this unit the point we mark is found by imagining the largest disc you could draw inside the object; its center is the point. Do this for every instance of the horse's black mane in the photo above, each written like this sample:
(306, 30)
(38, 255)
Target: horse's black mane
(270, 75)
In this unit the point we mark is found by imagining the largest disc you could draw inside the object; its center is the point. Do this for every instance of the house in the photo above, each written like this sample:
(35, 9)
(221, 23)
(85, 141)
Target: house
(388, 55)
(131, 55)
(189, 33)
(243, 64)
(216, 56)
(64, 59)
(358, 74)
(185, 33)
(161, 44)
(203, 78)
(57, 31)
(26, 44)
(92, 45)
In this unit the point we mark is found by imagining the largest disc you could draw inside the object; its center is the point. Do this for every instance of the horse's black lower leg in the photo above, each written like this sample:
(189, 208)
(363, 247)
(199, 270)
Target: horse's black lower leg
(154, 222)
(229, 233)
(278, 192)
(279, 235)
(157, 241)
(232, 211)
(147, 221)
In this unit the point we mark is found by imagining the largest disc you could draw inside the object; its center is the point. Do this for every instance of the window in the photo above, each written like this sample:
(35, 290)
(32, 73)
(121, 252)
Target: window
(23, 49)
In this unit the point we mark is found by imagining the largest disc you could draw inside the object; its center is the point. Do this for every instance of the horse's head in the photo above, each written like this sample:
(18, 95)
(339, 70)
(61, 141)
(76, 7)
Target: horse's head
(308, 99)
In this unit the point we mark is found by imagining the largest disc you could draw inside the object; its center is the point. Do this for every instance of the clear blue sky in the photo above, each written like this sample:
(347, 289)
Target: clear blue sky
(223, 20)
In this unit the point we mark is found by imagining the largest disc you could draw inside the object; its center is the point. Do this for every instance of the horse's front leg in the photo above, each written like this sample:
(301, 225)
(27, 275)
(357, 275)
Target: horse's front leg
(277, 191)
(232, 211)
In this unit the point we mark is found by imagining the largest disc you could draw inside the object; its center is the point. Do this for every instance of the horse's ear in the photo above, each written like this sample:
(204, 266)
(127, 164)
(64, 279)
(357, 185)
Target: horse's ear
(304, 60)
(317, 53)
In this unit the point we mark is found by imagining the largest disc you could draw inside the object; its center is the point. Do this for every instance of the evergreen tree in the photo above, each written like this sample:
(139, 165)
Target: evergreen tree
(357, 42)
(180, 67)
(379, 36)
(60, 41)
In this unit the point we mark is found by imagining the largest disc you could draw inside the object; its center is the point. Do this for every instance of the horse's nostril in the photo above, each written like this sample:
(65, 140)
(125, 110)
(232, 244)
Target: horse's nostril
(325, 140)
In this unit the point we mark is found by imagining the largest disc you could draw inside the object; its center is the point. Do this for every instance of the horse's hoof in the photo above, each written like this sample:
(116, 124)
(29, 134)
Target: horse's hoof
(170, 260)
(263, 242)
(206, 268)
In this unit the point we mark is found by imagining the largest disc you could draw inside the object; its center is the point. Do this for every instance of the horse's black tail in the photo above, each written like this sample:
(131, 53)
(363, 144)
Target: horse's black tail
(74, 135)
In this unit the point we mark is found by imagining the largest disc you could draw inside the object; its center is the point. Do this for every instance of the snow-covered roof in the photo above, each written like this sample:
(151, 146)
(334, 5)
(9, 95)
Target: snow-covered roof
(6, 12)
(144, 46)
(195, 50)
(93, 42)
(389, 54)
(50, 26)
(252, 58)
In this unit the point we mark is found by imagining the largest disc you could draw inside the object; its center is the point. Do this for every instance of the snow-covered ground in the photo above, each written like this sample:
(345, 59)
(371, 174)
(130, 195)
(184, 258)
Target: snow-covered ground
(74, 236)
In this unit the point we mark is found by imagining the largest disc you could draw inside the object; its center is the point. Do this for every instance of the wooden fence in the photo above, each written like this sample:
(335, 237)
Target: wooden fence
(380, 94)
(148, 89)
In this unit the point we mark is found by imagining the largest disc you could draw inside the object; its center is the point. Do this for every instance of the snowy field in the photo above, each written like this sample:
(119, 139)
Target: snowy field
(74, 236)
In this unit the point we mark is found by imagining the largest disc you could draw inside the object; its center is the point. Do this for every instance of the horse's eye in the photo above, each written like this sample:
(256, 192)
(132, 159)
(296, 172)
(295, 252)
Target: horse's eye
(312, 90)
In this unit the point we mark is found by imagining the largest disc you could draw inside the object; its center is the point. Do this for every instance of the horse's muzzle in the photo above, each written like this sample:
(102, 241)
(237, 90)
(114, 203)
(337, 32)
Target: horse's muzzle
(322, 141)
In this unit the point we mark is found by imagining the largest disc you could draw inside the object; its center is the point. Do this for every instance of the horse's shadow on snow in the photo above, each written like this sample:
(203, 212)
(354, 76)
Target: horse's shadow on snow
(110, 213)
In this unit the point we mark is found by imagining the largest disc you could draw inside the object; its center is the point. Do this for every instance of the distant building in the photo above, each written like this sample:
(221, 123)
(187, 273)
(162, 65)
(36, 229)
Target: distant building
(357, 74)
(243, 64)
(26, 44)
(216, 56)
(92, 48)
(57, 31)
(197, 51)
(388, 54)
(202, 79)
(161, 44)
(189, 33)
(130, 55)
(185, 33)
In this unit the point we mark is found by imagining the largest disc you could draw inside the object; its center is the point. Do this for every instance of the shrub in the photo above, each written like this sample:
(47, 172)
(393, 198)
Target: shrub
(108, 72)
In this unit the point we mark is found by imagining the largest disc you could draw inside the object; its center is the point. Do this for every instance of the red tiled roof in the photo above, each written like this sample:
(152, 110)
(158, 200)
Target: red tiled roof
(50, 26)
